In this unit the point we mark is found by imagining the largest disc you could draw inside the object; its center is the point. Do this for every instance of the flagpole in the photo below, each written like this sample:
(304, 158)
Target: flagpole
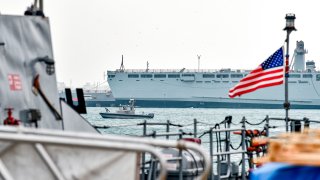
(289, 28)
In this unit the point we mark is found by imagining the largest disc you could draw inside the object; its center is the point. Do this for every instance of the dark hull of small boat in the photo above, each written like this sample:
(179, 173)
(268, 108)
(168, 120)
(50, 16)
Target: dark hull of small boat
(126, 116)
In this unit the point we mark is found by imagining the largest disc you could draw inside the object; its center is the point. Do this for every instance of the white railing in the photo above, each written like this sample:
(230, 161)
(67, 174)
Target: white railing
(41, 142)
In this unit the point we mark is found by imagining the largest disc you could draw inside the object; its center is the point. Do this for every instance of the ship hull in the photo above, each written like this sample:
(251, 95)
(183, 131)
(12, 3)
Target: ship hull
(152, 103)
(125, 116)
(195, 89)
(212, 104)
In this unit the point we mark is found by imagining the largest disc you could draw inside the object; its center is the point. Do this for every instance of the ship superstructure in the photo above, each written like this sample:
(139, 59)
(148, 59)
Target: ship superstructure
(94, 95)
(209, 88)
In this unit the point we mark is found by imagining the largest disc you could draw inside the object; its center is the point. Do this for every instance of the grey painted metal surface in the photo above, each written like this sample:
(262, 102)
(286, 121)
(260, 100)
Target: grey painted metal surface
(48, 152)
(73, 121)
(25, 46)
(26, 38)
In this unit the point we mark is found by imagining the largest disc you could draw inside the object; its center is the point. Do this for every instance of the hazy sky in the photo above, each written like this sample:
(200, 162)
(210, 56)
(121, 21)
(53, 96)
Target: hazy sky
(89, 37)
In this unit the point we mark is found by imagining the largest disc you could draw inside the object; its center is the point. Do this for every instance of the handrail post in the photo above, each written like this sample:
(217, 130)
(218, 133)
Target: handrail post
(143, 154)
(243, 137)
(267, 126)
(228, 134)
(218, 167)
(180, 155)
(168, 128)
(211, 154)
(195, 123)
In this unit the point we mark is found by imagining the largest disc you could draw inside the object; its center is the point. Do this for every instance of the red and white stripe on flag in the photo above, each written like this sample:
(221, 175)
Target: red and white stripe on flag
(269, 73)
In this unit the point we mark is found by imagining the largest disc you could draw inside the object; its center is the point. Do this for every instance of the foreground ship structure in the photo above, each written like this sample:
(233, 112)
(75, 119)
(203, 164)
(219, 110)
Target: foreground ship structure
(42, 137)
(209, 88)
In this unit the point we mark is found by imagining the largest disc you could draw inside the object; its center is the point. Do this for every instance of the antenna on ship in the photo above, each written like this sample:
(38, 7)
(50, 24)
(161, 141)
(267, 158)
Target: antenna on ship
(147, 66)
(122, 66)
(199, 56)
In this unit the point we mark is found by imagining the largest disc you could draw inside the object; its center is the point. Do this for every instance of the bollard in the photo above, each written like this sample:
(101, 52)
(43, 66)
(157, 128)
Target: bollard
(295, 126)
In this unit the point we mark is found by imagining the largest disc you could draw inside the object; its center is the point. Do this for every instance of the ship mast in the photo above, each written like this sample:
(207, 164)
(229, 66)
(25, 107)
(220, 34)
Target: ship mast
(199, 56)
(147, 66)
(122, 66)
(289, 28)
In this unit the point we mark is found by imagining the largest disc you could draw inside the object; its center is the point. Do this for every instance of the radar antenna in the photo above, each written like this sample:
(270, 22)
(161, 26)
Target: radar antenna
(122, 66)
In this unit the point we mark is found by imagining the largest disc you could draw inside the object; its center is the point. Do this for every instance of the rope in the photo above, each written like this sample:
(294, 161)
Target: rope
(188, 124)
(315, 89)
(206, 132)
(218, 138)
(237, 147)
(206, 123)
(236, 124)
(178, 125)
(255, 124)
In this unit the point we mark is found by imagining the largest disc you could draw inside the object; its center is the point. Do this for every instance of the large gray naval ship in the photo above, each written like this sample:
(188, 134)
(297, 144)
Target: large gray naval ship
(209, 88)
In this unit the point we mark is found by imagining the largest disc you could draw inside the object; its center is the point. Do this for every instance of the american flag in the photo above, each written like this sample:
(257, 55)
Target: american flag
(269, 73)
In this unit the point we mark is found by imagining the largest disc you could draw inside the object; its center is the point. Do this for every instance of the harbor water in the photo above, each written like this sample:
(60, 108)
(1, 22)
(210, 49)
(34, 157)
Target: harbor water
(185, 117)
(206, 119)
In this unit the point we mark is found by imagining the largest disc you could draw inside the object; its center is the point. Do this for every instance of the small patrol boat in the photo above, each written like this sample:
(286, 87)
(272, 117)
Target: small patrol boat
(126, 112)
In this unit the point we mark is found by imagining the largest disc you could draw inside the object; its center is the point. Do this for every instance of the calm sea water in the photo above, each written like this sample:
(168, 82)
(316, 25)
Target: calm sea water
(185, 116)
(207, 118)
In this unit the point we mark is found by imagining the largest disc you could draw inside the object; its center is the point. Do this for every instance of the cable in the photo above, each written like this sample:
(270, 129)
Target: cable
(194, 160)
(314, 87)
(255, 124)
(237, 147)
(236, 124)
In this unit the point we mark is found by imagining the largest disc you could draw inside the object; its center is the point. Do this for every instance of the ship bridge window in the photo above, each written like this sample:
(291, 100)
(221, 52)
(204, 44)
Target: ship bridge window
(307, 75)
(133, 75)
(187, 75)
(318, 77)
(236, 75)
(294, 76)
(146, 75)
(222, 75)
(173, 75)
(208, 75)
(160, 76)
(111, 76)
